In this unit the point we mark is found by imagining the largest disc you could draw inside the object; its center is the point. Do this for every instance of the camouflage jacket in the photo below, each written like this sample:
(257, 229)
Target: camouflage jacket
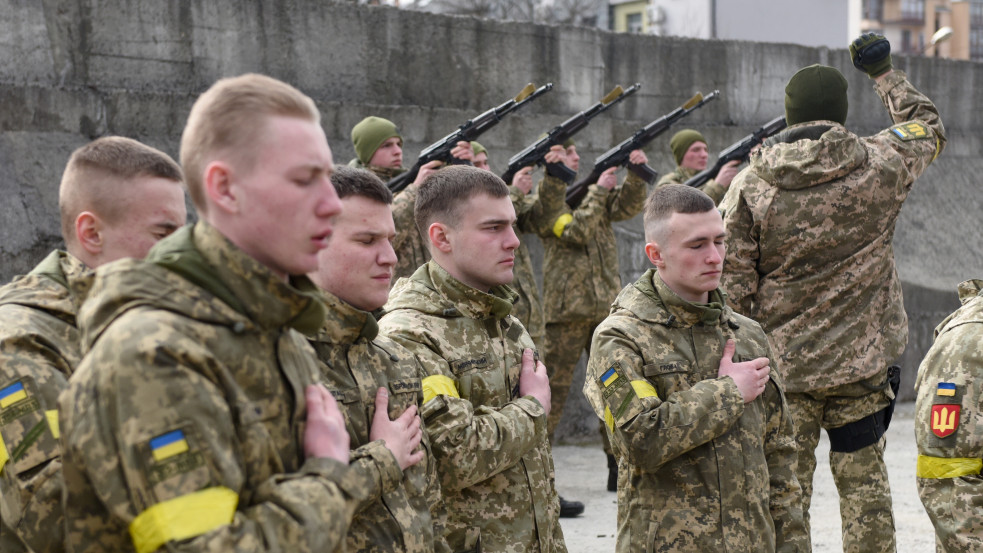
(949, 425)
(357, 363)
(683, 174)
(39, 350)
(492, 450)
(810, 225)
(580, 267)
(531, 210)
(411, 250)
(704, 471)
(183, 426)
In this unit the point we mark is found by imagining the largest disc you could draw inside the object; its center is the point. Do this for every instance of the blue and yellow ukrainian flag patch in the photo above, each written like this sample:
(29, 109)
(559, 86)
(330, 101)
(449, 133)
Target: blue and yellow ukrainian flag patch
(12, 394)
(946, 389)
(609, 377)
(910, 131)
(168, 445)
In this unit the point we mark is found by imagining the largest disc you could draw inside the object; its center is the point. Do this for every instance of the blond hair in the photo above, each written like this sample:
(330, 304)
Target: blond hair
(228, 119)
(96, 176)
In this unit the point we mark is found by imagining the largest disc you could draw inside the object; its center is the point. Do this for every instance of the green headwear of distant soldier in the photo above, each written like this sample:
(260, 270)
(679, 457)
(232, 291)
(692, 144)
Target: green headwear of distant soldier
(478, 148)
(369, 134)
(816, 93)
(681, 141)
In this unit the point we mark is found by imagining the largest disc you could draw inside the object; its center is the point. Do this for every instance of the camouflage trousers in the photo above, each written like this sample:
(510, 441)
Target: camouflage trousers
(955, 506)
(564, 344)
(860, 476)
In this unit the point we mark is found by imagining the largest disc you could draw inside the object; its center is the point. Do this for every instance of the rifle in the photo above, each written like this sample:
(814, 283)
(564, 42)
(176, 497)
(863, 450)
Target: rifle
(470, 130)
(534, 153)
(740, 150)
(618, 155)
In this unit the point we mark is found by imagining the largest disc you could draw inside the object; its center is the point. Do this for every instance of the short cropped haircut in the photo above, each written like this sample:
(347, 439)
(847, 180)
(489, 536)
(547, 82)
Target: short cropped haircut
(668, 199)
(96, 176)
(443, 194)
(351, 181)
(229, 120)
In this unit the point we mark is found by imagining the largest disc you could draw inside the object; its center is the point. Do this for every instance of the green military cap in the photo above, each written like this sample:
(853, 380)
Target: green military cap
(682, 140)
(369, 134)
(478, 148)
(816, 93)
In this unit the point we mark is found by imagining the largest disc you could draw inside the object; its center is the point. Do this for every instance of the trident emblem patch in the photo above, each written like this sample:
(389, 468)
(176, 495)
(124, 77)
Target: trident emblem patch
(945, 419)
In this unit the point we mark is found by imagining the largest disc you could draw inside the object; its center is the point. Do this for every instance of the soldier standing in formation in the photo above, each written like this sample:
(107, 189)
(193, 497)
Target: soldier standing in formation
(706, 443)
(948, 432)
(371, 377)
(196, 421)
(485, 398)
(117, 198)
(689, 149)
(581, 275)
(810, 225)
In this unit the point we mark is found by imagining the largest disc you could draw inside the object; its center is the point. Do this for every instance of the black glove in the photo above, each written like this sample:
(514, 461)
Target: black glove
(871, 54)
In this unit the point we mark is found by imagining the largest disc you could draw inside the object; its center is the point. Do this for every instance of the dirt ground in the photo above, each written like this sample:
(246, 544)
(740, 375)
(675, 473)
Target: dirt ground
(581, 474)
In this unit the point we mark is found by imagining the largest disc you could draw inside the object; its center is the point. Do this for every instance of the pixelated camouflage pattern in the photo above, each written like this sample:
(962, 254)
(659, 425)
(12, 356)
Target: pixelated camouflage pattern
(581, 274)
(493, 456)
(167, 354)
(356, 363)
(861, 479)
(565, 343)
(683, 174)
(531, 211)
(700, 470)
(411, 250)
(39, 347)
(809, 249)
(955, 505)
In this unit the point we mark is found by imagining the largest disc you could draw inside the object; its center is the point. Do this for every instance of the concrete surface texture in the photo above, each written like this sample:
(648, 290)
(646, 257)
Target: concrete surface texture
(73, 70)
(581, 474)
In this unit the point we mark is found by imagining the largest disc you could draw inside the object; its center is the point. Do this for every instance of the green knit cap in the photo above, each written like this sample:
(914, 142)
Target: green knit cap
(478, 148)
(369, 134)
(682, 140)
(816, 93)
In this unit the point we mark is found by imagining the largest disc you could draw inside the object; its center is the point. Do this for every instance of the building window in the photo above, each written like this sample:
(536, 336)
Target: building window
(913, 10)
(976, 12)
(873, 9)
(976, 44)
(906, 40)
(634, 22)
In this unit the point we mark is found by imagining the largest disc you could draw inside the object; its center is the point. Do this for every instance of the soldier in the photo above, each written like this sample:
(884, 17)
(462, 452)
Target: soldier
(580, 273)
(485, 398)
(809, 256)
(947, 429)
(117, 198)
(371, 376)
(379, 148)
(528, 209)
(196, 421)
(689, 149)
(705, 443)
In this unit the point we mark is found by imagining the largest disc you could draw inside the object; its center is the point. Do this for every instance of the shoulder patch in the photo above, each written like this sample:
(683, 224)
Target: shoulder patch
(26, 436)
(910, 131)
(170, 454)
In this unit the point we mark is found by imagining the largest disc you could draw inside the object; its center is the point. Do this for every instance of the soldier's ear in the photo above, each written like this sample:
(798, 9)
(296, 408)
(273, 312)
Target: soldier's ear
(88, 232)
(654, 253)
(219, 187)
(438, 237)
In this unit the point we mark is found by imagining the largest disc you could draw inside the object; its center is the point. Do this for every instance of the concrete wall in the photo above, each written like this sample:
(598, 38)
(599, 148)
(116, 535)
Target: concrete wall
(74, 70)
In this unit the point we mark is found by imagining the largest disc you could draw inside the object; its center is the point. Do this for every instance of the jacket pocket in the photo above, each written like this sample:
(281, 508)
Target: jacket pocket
(669, 376)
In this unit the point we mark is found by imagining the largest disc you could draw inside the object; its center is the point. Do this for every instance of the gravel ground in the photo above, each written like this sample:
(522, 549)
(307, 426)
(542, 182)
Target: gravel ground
(581, 474)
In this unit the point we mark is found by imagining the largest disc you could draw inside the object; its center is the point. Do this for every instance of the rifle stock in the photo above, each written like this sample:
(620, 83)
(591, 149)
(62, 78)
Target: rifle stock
(534, 153)
(740, 150)
(470, 130)
(618, 156)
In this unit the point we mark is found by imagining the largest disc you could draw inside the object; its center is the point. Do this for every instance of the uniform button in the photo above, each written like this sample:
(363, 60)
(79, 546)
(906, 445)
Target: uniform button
(239, 327)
